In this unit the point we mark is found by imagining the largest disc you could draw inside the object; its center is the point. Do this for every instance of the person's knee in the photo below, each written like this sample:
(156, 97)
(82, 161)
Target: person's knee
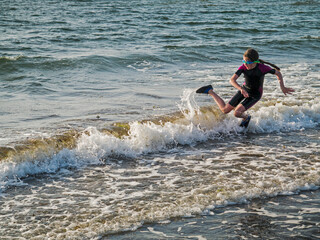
(226, 110)
(238, 113)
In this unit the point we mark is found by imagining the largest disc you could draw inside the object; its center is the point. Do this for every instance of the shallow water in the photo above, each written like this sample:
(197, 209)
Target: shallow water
(125, 193)
(283, 217)
(101, 131)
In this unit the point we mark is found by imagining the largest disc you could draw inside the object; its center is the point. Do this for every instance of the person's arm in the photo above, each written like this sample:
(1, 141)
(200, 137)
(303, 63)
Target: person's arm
(284, 89)
(234, 83)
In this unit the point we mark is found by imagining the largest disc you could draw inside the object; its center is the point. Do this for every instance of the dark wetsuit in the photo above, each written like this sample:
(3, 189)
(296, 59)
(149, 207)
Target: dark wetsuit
(253, 85)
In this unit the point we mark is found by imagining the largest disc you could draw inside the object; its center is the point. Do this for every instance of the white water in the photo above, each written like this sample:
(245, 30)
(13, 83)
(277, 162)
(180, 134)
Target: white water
(270, 116)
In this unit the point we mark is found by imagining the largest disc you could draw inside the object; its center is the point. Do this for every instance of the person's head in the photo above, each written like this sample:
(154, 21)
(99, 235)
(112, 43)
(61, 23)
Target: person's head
(250, 58)
(252, 54)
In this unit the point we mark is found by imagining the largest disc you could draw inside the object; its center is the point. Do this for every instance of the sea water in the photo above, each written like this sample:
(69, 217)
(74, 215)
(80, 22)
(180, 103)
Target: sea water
(102, 132)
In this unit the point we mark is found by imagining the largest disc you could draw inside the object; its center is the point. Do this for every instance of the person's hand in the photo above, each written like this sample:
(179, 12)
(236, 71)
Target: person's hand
(244, 93)
(286, 90)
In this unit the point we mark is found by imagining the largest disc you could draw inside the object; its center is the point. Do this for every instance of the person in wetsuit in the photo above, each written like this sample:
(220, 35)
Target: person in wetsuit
(250, 92)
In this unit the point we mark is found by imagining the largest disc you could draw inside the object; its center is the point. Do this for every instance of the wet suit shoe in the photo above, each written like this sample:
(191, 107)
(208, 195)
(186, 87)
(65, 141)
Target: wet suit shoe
(204, 89)
(245, 122)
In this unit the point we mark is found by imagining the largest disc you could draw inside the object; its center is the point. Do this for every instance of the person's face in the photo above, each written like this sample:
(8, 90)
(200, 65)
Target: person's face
(249, 65)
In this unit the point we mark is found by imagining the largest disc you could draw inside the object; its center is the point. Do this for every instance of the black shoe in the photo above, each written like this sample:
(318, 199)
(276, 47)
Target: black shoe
(204, 89)
(245, 122)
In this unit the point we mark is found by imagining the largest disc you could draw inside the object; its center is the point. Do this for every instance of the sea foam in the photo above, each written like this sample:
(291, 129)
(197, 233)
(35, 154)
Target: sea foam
(198, 125)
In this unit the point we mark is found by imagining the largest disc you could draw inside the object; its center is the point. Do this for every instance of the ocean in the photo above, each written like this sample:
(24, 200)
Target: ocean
(103, 137)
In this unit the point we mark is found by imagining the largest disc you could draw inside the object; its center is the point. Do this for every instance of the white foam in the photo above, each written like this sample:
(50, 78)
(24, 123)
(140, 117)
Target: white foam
(284, 118)
(149, 137)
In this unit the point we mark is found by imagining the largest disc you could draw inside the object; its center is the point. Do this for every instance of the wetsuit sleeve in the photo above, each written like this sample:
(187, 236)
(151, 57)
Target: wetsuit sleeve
(272, 71)
(240, 70)
(266, 69)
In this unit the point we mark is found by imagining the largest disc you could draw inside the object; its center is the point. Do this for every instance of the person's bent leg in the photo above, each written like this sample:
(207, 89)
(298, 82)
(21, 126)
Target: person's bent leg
(239, 112)
(225, 108)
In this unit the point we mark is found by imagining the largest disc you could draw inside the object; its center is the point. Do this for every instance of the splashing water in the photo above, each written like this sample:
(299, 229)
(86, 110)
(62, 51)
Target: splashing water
(188, 105)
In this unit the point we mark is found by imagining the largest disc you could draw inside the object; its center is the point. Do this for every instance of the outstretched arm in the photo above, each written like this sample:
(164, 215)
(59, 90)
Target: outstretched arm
(284, 89)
